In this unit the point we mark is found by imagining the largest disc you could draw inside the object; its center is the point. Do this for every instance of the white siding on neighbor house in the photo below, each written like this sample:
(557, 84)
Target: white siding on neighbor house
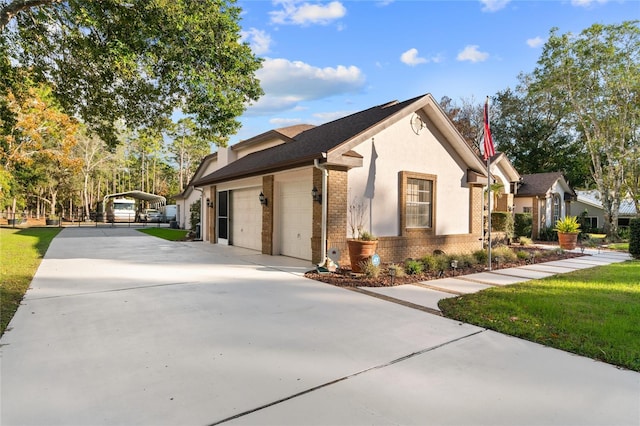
(398, 148)
(293, 214)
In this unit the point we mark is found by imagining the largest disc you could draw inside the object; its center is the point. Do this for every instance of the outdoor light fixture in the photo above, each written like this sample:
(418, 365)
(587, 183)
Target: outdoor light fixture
(392, 273)
(316, 195)
(454, 266)
(263, 199)
(209, 203)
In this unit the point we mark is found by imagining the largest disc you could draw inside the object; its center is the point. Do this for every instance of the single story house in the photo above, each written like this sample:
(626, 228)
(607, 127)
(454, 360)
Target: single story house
(403, 166)
(546, 196)
(589, 202)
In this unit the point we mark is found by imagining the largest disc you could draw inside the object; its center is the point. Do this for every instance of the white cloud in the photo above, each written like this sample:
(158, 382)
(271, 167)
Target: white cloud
(325, 117)
(295, 13)
(493, 5)
(472, 54)
(535, 42)
(285, 122)
(587, 3)
(287, 83)
(411, 58)
(259, 40)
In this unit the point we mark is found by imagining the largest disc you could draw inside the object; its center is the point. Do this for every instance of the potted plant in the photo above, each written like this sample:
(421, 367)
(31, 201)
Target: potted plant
(363, 244)
(568, 229)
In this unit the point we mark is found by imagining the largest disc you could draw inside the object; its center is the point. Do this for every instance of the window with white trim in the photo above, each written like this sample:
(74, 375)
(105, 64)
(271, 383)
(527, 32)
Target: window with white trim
(419, 204)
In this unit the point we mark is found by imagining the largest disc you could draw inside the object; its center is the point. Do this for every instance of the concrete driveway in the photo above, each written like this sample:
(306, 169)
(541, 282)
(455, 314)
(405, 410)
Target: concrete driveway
(123, 328)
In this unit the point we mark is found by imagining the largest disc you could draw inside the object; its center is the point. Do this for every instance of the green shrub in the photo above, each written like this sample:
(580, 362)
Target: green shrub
(548, 234)
(502, 222)
(504, 253)
(430, 262)
(194, 211)
(522, 225)
(522, 255)
(369, 269)
(413, 267)
(399, 270)
(634, 238)
(481, 256)
(525, 241)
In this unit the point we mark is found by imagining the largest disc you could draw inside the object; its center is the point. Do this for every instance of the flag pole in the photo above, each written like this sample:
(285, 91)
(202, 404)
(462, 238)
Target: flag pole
(489, 211)
(489, 151)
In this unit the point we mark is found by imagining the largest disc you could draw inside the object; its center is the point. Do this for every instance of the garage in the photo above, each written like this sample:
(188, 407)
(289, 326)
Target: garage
(296, 218)
(246, 218)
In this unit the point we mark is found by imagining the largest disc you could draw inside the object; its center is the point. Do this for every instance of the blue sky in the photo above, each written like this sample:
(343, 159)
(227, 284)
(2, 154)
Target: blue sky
(327, 59)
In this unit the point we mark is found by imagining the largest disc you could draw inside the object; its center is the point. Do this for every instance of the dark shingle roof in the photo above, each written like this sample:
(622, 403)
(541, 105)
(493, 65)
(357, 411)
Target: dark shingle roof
(538, 183)
(308, 145)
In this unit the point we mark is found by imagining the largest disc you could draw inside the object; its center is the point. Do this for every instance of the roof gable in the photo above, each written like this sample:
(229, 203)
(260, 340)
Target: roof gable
(337, 139)
(538, 184)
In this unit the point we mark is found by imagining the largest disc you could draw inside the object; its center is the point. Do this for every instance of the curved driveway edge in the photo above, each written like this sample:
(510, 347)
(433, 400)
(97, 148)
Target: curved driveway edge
(122, 328)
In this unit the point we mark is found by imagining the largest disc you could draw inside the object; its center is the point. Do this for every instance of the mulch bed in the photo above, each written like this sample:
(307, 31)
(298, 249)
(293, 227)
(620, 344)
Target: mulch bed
(345, 278)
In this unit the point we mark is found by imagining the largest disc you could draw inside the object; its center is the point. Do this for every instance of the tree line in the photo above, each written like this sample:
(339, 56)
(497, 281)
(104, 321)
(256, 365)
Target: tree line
(90, 90)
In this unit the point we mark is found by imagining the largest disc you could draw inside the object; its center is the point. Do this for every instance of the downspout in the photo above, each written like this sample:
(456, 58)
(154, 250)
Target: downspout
(325, 201)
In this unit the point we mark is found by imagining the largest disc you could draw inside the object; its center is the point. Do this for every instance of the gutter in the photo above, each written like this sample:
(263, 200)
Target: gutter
(325, 197)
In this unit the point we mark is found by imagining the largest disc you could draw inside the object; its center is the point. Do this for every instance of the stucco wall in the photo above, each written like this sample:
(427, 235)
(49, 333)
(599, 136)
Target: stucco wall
(398, 148)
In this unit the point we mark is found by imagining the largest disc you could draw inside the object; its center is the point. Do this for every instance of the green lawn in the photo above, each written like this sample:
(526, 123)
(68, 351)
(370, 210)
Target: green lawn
(593, 312)
(165, 233)
(21, 251)
(619, 246)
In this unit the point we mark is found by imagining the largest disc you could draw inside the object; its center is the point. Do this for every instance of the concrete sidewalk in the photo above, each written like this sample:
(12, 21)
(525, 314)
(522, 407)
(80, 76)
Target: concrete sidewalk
(122, 328)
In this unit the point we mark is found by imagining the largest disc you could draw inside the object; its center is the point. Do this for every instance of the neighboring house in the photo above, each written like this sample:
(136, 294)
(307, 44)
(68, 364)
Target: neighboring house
(589, 202)
(506, 179)
(421, 183)
(546, 196)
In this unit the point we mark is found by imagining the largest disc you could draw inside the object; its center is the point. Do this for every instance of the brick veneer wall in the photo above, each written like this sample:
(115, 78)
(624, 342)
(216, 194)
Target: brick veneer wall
(390, 249)
(336, 213)
(267, 215)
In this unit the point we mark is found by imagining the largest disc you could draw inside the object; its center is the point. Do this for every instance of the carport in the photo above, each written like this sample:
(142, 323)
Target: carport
(156, 201)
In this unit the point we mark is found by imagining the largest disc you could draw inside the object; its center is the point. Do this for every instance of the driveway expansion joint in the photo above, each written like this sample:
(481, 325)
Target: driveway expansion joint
(350, 376)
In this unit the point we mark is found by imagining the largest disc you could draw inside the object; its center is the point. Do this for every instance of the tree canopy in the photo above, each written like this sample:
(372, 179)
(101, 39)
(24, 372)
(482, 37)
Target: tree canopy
(595, 76)
(138, 61)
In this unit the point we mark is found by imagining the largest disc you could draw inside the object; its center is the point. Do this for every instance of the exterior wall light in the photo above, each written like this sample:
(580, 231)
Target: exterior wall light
(316, 195)
(209, 204)
(263, 199)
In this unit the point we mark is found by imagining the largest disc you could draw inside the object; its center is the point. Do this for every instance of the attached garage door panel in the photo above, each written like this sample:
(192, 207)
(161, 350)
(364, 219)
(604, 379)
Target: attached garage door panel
(246, 218)
(296, 219)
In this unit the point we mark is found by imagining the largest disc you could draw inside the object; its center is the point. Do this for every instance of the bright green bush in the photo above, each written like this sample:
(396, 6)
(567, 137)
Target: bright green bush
(413, 267)
(523, 223)
(634, 238)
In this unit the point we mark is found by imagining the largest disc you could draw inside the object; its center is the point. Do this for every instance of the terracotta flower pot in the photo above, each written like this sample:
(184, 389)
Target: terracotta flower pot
(360, 251)
(567, 240)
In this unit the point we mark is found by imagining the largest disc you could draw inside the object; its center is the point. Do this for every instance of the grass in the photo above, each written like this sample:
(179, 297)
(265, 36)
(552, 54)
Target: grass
(619, 246)
(167, 234)
(21, 251)
(593, 312)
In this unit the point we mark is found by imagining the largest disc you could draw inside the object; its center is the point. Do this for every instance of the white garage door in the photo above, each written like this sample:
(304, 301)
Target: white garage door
(296, 219)
(246, 218)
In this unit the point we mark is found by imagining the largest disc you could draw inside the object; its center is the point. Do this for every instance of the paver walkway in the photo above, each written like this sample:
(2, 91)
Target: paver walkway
(429, 293)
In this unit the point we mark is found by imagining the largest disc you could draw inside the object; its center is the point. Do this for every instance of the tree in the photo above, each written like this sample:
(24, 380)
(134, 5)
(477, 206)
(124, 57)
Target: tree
(40, 142)
(91, 150)
(188, 149)
(531, 129)
(136, 60)
(596, 76)
(468, 119)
